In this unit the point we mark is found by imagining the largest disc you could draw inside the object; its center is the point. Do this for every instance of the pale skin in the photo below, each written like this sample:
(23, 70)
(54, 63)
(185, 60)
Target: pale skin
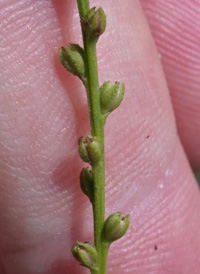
(43, 112)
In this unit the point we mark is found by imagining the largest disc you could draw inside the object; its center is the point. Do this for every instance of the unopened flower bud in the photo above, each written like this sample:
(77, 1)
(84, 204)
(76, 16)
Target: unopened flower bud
(111, 96)
(94, 22)
(115, 226)
(86, 182)
(72, 58)
(90, 149)
(86, 254)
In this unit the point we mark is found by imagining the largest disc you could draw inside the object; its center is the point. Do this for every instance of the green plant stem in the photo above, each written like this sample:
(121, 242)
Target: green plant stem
(94, 271)
(105, 247)
(97, 129)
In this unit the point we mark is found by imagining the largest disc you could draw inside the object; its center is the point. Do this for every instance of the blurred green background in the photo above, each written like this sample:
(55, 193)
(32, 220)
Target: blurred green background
(197, 175)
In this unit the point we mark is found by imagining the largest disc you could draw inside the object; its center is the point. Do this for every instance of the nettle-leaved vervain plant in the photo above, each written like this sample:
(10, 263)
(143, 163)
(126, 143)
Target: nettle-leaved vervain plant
(82, 62)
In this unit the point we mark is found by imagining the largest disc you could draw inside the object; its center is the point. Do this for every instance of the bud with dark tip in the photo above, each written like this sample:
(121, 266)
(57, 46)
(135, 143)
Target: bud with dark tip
(90, 149)
(111, 96)
(87, 184)
(115, 227)
(72, 58)
(94, 22)
(86, 254)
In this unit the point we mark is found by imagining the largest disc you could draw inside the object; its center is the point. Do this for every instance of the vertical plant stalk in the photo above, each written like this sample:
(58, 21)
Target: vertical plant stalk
(97, 129)
(82, 62)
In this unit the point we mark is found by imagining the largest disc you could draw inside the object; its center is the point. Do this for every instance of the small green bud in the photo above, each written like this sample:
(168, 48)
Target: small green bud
(72, 58)
(111, 96)
(86, 182)
(86, 254)
(94, 22)
(115, 226)
(90, 149)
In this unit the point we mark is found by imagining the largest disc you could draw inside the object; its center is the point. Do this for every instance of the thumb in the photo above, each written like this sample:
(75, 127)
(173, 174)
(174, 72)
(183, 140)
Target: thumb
(148, 172)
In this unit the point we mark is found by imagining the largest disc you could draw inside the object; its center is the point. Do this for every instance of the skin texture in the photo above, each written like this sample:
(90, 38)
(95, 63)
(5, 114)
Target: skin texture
(43, 112)
(175, 27)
